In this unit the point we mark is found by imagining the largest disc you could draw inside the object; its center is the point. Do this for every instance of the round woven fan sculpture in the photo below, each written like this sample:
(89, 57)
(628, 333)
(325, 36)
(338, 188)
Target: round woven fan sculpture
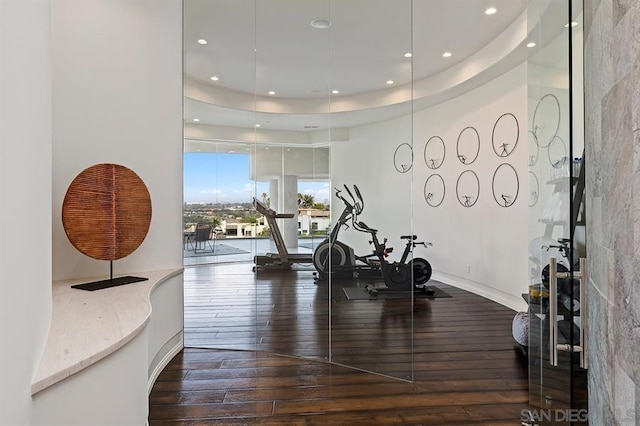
(106, 211)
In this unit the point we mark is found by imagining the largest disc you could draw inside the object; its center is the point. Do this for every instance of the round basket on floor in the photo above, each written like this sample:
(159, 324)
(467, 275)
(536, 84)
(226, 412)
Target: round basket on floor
(520, 328)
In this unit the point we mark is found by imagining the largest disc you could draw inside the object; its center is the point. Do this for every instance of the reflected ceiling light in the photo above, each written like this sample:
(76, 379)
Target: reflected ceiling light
(321, 23)
(335, 92)
(389, 81)
(490, 11)
(196, 119)
(202, 41)
(215, 78)
(257, 125)
(446, 54)
(408, 55)
(271, 92)
(573, 24)
(531, 44)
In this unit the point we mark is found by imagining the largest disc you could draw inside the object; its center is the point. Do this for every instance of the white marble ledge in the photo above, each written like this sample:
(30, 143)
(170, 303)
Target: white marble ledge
(86, 326)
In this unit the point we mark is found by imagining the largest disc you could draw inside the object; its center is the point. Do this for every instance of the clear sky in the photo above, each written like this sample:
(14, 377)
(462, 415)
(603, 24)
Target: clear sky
(224, 178)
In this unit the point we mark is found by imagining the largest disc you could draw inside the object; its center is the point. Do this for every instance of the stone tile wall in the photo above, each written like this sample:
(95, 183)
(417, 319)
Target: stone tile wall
(612, 132)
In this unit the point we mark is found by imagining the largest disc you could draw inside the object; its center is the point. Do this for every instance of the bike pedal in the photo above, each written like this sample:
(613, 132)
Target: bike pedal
(371, 290)
(428, 291)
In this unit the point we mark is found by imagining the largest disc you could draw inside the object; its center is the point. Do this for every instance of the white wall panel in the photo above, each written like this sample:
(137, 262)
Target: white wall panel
(117, 98)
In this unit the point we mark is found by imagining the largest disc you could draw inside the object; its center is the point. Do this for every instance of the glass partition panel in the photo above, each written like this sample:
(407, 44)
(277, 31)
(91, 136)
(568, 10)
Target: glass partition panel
(292, 158)
(369, 271)
(556, 232)
(311, 179)
(219, 184)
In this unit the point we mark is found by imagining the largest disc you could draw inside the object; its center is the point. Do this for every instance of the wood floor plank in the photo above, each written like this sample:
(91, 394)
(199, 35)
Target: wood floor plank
(257, 350)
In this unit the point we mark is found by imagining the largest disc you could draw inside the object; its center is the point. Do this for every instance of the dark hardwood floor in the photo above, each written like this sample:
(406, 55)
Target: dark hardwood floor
(258, 345)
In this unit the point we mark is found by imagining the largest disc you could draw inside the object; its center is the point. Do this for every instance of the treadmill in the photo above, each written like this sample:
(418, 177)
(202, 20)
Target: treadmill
(283, 258)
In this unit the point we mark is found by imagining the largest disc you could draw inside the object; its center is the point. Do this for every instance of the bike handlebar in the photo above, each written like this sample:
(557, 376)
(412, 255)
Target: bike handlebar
(360, 200)
(358, 204)
(355, 205)
(344, 200)
(423, 243)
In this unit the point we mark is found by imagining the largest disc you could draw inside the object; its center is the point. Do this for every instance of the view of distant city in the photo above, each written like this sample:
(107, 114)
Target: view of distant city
(218, 192)
(224, 178)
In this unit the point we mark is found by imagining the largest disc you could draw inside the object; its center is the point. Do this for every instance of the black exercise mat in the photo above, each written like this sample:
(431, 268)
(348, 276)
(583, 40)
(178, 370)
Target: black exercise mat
(361, 293)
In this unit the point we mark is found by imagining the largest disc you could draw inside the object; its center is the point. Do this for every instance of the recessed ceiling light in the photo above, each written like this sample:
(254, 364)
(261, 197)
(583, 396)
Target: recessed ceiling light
(408, 55)
(446, 55)
(215, 78)
(257, 125)
(389, 81)
(531, 44)
(202, 41)
(573, 24)
(321, 23)
(335, 92)
(490, 11)
(196, 119)
(271, 92)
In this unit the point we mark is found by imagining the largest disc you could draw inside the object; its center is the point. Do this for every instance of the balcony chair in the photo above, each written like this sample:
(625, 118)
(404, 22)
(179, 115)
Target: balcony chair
(204, 239)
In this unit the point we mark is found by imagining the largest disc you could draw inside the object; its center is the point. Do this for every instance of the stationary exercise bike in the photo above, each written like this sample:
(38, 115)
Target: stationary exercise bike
(333, 255)
(400, 276)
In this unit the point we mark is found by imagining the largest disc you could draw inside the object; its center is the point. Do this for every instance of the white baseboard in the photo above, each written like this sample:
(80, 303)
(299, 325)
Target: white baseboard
(170, 349)
(516, 303)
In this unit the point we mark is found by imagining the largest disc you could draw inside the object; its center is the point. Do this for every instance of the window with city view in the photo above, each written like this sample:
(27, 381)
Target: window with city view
(218, 193)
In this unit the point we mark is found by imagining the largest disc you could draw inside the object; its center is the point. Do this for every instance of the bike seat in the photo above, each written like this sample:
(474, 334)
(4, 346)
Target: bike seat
(564, 240)
(365, 227)
(408, 237)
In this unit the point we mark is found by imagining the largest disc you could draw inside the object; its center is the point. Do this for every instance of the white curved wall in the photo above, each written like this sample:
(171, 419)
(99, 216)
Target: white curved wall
(110, 392)
(113, 94)
(25, 200)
